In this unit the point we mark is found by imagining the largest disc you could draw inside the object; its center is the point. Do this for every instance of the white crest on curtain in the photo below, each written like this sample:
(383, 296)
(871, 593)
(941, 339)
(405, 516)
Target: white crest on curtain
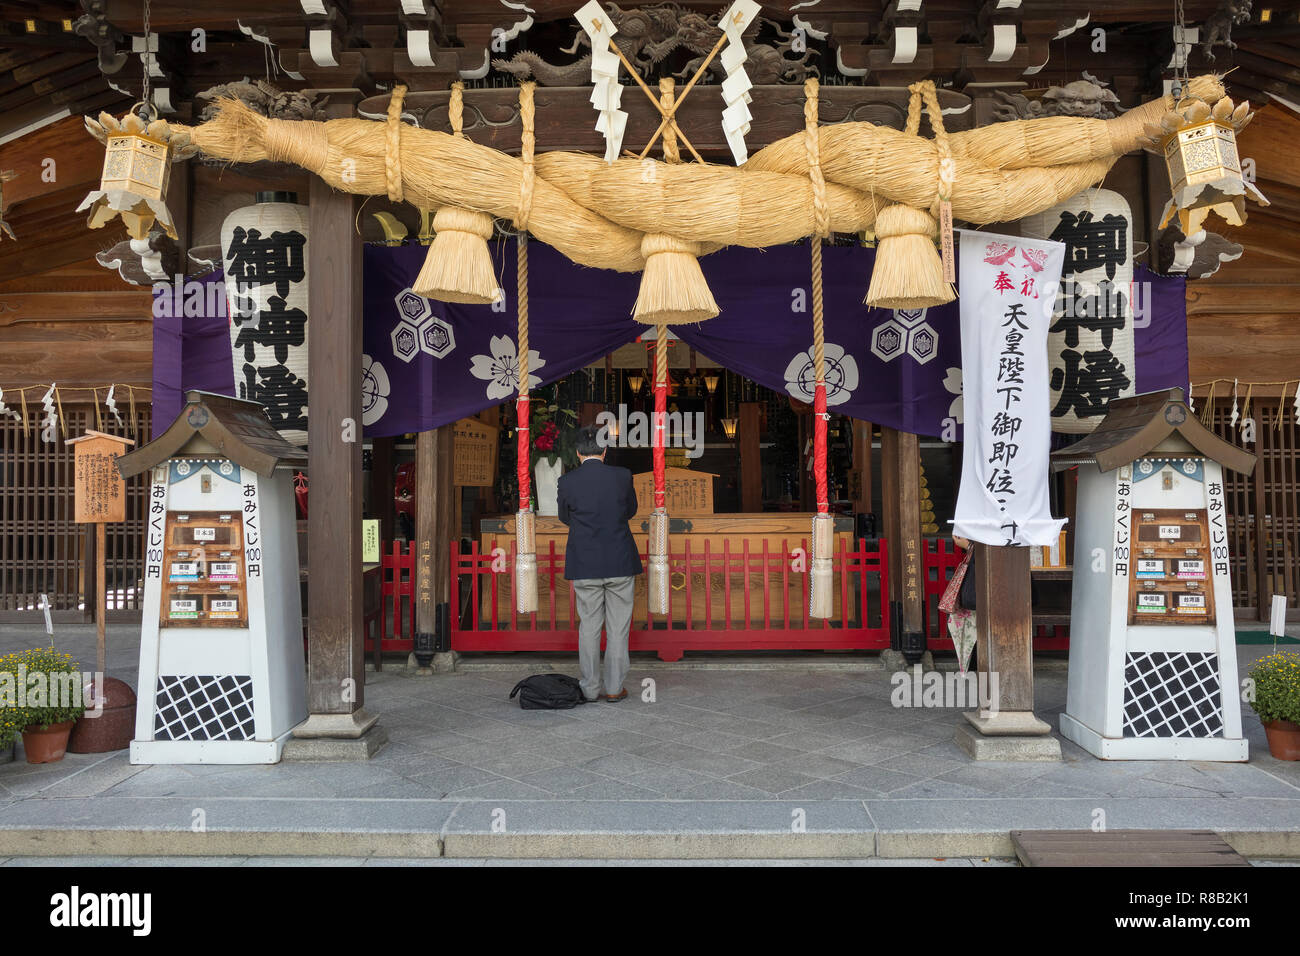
(501, 369)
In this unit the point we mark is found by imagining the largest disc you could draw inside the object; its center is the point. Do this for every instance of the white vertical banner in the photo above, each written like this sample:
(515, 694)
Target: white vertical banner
(1008, 289)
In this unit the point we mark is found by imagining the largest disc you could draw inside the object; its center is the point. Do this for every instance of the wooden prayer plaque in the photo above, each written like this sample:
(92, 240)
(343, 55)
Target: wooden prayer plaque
(100, 489)
(476, 453)
(687, 492)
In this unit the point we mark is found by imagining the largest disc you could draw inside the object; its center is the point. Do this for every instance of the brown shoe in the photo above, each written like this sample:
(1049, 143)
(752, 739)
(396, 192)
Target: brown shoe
(615, 698)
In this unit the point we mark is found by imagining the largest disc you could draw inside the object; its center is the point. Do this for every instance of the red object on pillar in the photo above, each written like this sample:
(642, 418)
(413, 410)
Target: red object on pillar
(300, 494)
(522, 462)
(404, 490)
(660, 424)
(819, 447)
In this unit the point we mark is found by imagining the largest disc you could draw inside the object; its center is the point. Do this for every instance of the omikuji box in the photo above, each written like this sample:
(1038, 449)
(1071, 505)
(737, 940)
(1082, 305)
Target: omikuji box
(1153, 653)
(222, 673)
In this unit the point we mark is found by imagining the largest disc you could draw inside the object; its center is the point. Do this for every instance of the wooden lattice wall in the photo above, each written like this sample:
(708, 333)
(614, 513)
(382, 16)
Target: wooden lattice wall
(42, 550)
(1264, 508)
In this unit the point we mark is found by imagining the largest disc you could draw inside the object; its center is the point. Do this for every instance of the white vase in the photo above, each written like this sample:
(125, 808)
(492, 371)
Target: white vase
(546, 478)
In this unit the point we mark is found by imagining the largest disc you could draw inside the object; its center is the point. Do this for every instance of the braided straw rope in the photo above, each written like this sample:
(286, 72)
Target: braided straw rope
(672, 154)
(599, 215)
(393, 145)
(820, 588)
(525, 553)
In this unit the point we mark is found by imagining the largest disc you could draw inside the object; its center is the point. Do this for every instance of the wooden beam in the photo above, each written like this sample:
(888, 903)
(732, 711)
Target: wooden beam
(77, 353)
(335, 659)
(78, 157)
(133, 305)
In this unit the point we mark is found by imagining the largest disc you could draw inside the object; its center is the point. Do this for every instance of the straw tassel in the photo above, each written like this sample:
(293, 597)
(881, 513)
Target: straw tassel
(525, 537)
(821, 587)
(458, 265)
(908, 273)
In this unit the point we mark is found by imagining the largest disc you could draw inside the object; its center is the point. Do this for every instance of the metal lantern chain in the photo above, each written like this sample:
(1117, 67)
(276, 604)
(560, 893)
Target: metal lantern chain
(1180, 40)
(146, 110)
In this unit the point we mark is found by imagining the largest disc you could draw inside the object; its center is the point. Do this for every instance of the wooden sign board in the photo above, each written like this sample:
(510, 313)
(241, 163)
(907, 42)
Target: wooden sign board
(476, 445)
(687, 492)
(370, 541)
(100, 489)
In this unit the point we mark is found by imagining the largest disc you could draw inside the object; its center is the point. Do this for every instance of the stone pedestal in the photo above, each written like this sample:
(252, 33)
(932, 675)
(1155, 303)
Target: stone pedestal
(354, 736)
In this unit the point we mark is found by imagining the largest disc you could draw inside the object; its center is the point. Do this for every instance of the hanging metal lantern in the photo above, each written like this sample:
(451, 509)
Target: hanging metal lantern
(137, 169)
(1199, 146)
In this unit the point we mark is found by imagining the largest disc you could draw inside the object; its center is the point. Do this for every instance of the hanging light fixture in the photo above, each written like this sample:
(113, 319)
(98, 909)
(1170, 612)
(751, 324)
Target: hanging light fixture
(729, 428)
(1199, 144)
(635, 380)
(139, 151)
(711, 382)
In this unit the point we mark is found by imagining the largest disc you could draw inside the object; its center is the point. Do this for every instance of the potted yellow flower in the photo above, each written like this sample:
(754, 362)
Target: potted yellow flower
(41, 695)
(1277, 702)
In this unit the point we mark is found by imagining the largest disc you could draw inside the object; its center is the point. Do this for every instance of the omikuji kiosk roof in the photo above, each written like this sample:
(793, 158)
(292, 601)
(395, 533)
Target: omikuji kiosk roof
(231, 427)
(1135, 426)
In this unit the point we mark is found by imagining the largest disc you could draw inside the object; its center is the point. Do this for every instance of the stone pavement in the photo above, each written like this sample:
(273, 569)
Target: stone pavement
(798, 757)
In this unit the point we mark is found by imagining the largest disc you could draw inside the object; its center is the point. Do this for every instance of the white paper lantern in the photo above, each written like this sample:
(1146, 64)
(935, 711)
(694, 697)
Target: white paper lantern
(1090, 343)
(264, 251)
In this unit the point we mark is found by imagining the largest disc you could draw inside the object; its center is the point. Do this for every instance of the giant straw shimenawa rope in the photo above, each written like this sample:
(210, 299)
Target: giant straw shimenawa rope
(599, 215)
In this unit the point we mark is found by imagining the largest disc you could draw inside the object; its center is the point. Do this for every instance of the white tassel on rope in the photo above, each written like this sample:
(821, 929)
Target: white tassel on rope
(525, 563)
(821, 594)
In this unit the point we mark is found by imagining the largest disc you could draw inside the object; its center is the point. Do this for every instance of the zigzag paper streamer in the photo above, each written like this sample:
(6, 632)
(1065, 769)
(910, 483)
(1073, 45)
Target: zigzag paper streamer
(736, 117)
(111, 404)
(607, 92)
(5, 411)
(1232, 422)
(51, 420)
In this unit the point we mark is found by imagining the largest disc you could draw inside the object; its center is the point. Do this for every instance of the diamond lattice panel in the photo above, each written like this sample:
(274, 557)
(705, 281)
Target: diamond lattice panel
(1172, 695)
(203, 708)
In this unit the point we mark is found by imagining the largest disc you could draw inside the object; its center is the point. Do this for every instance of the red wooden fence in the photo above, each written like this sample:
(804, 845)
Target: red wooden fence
(396, 602)
(766, 623)
(939, 560)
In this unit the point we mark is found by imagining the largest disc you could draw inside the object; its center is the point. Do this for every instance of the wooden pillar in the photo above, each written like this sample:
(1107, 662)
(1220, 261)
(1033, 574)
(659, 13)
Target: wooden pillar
(862, 464)
(751, 469)
(1003, 618)
(434, 526)
(335, 658)
(901, 503)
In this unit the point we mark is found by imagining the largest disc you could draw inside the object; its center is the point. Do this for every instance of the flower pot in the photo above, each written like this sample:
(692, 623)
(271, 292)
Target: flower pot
(1283, 739)
(46, 745)
(112, 727)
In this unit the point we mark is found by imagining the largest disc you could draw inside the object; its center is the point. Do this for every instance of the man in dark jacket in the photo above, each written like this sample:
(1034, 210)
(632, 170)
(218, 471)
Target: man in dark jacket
(596, 501)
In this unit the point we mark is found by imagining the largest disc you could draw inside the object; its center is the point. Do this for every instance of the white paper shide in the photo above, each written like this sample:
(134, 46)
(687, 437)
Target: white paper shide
(606, 91)
(736, 117)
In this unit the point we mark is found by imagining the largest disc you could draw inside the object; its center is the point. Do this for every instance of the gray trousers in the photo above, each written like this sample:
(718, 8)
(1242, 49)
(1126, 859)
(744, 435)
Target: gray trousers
(603, 603)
